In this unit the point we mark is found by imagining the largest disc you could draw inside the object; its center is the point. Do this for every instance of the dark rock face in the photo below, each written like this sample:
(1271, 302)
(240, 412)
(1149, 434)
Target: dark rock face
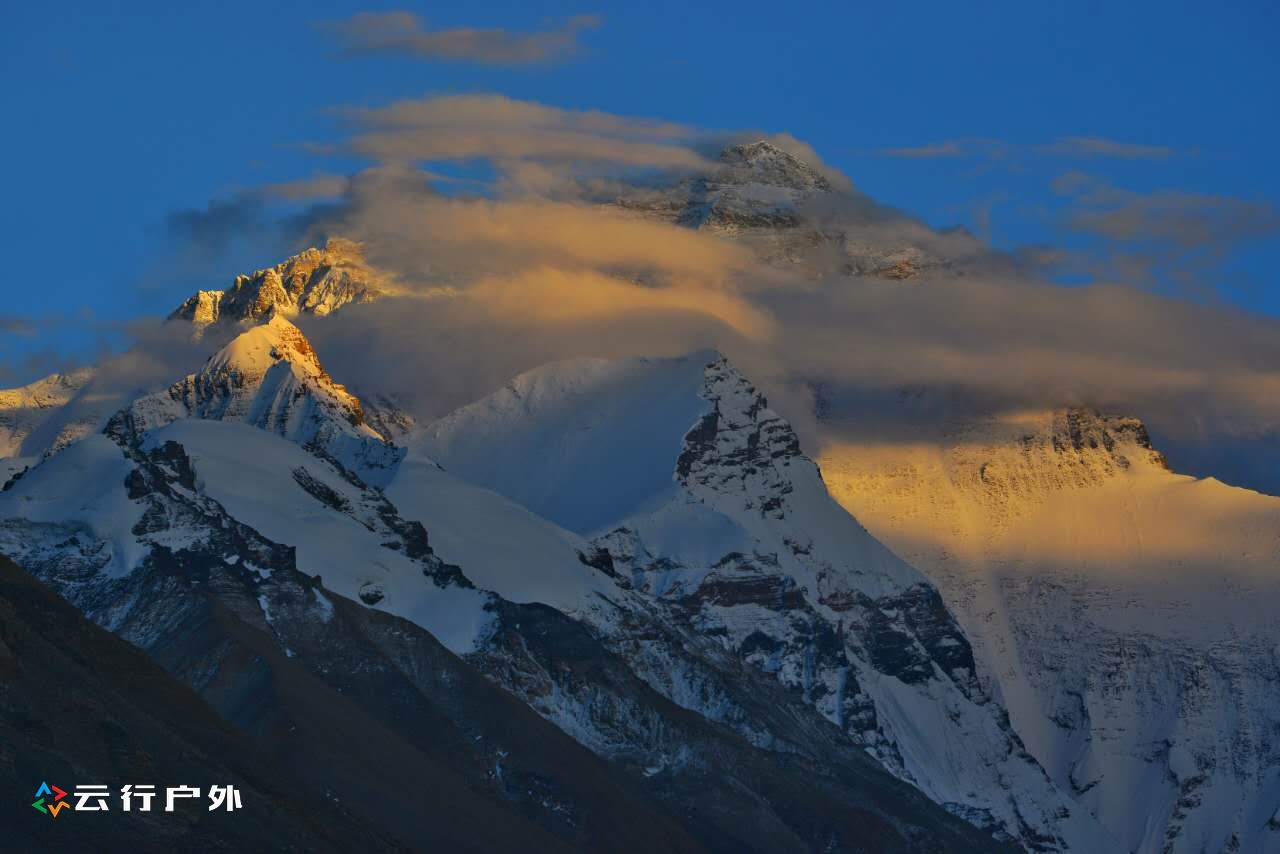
(371, 593)
(794, 645)
(320, 491)
(740, 445)
(893, 651)
(14, 478)
(813, 791)
(739, 580)
(909, 634)
(599, 559)
(1082, 431)
(742, 440)
(699, 443)
(935, 628)
(824, 641)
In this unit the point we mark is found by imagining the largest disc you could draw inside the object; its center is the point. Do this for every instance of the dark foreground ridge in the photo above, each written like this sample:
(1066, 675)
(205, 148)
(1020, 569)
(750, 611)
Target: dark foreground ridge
(80, 706)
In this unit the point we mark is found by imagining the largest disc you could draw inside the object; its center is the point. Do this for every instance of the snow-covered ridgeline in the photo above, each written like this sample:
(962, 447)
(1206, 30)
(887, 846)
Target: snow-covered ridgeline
(1124, 613)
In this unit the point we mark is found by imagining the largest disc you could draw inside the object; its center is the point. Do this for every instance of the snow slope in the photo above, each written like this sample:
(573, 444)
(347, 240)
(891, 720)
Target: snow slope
(1125, 613)
(585, 444)
(502, 545)
(28, 415)
(82, 497)
(337, 527)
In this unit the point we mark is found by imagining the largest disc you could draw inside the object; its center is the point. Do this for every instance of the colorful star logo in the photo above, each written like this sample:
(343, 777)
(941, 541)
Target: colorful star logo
(53, 808)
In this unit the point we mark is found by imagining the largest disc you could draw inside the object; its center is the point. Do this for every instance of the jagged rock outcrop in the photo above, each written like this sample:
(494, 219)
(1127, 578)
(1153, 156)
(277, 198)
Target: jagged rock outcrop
(315, 281)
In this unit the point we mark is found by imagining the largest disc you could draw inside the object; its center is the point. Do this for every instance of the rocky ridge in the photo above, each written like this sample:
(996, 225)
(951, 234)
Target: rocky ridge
(315, 281)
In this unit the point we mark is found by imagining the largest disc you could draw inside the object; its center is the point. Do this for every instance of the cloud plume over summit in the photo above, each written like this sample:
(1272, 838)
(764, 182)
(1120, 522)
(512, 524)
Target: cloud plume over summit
(532, 263)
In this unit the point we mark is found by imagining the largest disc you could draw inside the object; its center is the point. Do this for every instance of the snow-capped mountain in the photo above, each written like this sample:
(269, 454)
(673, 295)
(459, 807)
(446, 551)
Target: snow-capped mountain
(717, 546)
(758, 186)
(1041, 629)
(1121, 610)
(1124, 613)
(697, 494)
(795, 217)
(315, 281)
(40, 419)
(193, 499)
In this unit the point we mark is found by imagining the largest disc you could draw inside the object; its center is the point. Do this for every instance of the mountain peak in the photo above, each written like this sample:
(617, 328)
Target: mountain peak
(266, 358)
(269, 376)
(766, 163)
(756, 188)
(257, 349)
(315, 281)
(753, 151)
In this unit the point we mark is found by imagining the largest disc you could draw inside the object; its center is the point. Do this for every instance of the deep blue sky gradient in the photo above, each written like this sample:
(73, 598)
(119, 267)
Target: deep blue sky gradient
(117, 115)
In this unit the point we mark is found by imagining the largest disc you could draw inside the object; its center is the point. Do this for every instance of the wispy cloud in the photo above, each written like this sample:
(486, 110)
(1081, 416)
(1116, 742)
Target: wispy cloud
(1166, 239)
(404, 34)
(319, 186)
(13, 325)
(537, 162)
(1187, 220)
(975, 147)
(219, 223)
(1096, 146)
(533, 146)
(1069, 147)
(927, 152)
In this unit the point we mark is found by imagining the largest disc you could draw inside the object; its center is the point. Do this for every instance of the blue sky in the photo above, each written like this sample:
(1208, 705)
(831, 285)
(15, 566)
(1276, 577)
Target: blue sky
(119, 115)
